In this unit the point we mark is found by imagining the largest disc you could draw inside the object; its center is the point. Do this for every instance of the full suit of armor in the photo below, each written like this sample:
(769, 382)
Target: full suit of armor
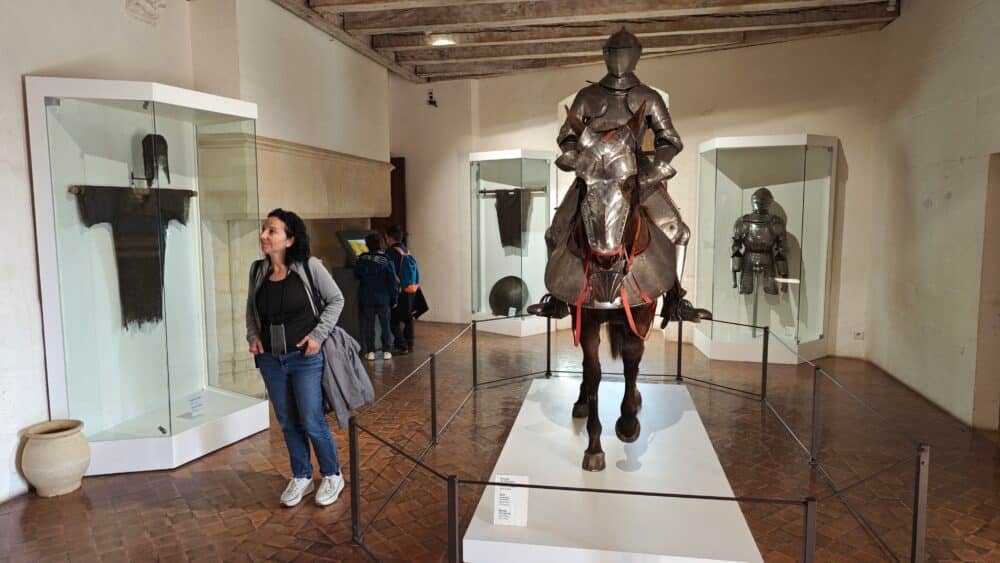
(759, 247)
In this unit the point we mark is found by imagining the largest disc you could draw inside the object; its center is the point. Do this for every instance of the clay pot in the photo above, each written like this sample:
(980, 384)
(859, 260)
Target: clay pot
(55, 456)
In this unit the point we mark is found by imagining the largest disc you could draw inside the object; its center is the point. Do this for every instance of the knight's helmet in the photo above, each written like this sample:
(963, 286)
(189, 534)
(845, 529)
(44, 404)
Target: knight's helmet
(621, 52)
(761, 200)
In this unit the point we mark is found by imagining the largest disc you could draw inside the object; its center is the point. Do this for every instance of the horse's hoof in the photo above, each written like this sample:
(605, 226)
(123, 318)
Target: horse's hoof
(593, 462)
(580, 410)
(627, 438)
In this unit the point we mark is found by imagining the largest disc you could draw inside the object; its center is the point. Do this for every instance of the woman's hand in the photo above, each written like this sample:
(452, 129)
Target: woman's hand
(312, 346)
(256, 346)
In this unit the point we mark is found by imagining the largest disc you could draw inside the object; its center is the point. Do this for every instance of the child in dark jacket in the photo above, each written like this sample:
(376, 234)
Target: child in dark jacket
(378, 292)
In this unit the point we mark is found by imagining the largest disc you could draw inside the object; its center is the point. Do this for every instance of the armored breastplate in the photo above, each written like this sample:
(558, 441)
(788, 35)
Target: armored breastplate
(616, 113)
(760, 236)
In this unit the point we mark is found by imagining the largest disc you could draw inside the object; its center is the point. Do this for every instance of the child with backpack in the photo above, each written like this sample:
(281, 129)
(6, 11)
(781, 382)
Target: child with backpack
(409, 281)
(378, 291)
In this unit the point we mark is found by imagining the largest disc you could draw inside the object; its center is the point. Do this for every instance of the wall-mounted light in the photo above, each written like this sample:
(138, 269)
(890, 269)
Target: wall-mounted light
(430, 99)
(443, 42)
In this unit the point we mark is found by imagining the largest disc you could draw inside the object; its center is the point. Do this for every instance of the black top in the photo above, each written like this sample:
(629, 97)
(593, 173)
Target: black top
(285, 302)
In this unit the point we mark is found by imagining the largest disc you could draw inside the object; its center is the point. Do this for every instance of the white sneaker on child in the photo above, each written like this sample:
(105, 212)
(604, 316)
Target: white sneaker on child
(297, 488)
(370, 356)
(386, 355)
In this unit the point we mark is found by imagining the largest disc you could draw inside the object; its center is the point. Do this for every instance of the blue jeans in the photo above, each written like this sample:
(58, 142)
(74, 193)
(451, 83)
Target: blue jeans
(294, 385)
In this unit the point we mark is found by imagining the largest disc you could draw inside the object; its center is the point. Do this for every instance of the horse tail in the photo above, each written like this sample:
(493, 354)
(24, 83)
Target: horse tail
(616, 338)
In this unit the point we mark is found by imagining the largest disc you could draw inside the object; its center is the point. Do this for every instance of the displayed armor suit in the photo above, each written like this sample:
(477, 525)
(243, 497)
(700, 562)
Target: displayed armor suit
(604, 107)
(759, 247)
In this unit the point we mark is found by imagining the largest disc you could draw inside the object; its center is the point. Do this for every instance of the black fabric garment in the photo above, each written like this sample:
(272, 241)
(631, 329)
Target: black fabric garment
(139, 220)
(513, 214)
(285, 302)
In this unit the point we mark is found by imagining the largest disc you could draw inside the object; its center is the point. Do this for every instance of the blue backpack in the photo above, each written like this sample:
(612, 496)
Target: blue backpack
(409, 273)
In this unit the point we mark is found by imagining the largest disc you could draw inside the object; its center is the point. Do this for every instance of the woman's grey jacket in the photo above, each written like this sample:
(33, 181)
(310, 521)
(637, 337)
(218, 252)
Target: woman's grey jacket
(346, 385)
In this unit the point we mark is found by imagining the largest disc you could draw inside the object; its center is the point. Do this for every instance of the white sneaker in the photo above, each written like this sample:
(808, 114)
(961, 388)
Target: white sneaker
(386, 355)
(296, 489)
(370, 356)
(329, 490)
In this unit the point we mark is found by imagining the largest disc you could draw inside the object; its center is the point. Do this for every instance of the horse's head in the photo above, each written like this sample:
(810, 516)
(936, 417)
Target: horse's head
(606, 164)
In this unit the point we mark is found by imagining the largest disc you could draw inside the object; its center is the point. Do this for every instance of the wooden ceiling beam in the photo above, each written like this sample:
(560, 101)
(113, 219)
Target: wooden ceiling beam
(458, 71)
(560, 12)
(816, 17)
(347, 6)
(557, 49)
(301, 9)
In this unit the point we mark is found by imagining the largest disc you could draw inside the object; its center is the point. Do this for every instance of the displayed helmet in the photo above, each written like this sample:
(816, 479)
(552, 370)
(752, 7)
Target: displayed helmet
(621, 52)
(508, 293)
(761, 200)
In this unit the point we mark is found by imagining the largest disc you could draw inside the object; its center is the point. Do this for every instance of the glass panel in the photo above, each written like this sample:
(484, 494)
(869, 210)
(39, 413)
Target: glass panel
(212, 158)
(109, 255)
(475, 204)
(741, 172)
(535, 220)
(815, 242)
(502, 203)
(706, 239)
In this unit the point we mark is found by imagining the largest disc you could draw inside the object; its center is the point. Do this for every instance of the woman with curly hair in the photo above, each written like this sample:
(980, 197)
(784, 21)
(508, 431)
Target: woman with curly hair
(292, 306)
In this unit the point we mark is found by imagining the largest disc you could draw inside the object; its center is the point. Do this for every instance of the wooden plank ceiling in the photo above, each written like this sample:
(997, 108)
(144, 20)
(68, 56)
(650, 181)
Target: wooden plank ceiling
(429, 40)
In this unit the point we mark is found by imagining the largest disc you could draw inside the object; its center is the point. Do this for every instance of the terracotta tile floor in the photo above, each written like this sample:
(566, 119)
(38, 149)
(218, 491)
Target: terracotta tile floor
(223, 506)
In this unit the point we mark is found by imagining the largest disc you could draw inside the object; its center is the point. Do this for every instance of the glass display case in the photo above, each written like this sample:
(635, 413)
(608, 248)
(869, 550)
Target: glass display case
(790, 294)
(146, 221)
(512, 196)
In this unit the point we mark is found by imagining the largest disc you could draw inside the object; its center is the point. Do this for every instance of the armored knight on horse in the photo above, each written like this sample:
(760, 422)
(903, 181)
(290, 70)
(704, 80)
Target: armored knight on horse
(617, 241)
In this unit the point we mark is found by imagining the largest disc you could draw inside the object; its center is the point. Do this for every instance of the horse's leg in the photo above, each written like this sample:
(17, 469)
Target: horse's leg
(590, 340)
(580, 406)
(627, 427)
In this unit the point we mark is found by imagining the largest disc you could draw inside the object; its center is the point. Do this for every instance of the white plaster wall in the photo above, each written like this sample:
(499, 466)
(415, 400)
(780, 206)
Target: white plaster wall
(821, 86)
(215, 47)
(56, 38)
(309, 88)
(938, 120)
(436, 143)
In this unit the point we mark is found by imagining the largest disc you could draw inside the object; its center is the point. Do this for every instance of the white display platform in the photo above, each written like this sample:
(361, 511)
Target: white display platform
(242, 417)
(521, 327)
(673, 454)
(752, 352)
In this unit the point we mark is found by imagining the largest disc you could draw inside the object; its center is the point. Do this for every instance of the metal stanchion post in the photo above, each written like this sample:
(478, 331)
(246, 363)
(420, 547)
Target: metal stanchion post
(814, 443)
(475, 355)
(763, 364)
(548, 346)
(434, 404)
(809, 532)
(918, 553)
(355, 461)
(454, 542)
(680, 344)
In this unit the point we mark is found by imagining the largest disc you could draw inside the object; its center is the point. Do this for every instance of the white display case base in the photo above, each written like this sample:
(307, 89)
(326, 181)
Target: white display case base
(752, 352)
(228, 418)
(521, 327)
(673, 454)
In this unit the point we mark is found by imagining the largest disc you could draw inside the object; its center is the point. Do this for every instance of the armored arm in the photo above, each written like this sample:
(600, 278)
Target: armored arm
(736, 258)
(567, 137)
(780, 248)
(666, 141)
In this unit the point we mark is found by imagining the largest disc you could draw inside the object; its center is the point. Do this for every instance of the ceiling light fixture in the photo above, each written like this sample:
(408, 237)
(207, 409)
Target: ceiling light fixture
(443, 42)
